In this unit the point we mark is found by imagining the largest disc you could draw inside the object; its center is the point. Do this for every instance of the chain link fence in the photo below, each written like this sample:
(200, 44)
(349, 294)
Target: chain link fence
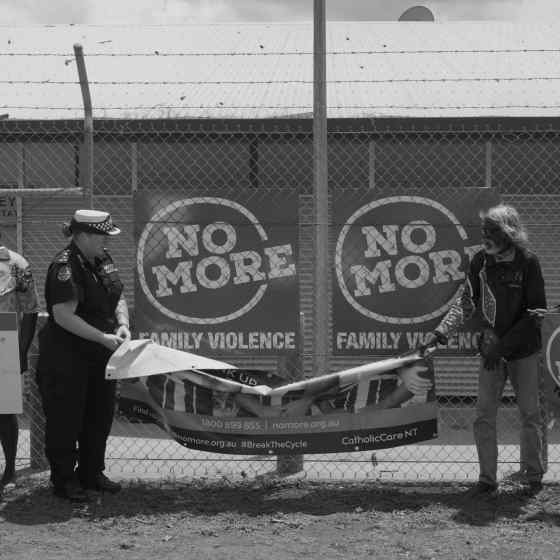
(380, 175)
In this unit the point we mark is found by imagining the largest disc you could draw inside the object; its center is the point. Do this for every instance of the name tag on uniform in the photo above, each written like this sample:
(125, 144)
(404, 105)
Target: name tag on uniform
(10, 378)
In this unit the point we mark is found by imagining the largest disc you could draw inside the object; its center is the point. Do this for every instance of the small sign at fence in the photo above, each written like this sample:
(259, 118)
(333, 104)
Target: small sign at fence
(10, 378)
(551, 348)
(8, 210)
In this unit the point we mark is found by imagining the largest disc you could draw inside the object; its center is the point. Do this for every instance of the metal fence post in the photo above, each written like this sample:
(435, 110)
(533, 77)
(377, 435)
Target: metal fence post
(86, 166)
(320, 196)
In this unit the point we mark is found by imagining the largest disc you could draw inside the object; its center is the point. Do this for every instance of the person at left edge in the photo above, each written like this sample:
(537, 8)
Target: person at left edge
(18, 295)
(88, 320)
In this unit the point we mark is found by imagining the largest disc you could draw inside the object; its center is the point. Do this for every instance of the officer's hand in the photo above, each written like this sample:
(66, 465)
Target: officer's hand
(111, 341)
(123, 332)
(412, 380)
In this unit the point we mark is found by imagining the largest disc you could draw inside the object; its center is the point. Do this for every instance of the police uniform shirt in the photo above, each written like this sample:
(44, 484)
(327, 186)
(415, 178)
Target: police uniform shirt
(17, 288)
(61, 284)
(96, 288)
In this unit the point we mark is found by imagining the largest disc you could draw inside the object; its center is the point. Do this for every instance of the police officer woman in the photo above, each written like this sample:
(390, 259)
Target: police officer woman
(88, 320)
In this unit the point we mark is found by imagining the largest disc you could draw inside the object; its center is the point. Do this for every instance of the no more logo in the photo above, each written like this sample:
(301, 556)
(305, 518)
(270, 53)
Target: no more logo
(194, 268)
(405, 271)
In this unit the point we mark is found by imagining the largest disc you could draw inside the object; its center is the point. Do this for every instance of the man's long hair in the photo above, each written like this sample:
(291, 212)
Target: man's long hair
(507, 219)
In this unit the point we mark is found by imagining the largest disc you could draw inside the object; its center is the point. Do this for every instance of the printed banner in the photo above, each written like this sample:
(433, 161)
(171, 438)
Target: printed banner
(399, 263)
(212, 406)
(217, 274)
(10, 378)
(551, 347)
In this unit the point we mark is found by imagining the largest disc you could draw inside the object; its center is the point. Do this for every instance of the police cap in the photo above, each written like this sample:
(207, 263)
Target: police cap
(93, 221)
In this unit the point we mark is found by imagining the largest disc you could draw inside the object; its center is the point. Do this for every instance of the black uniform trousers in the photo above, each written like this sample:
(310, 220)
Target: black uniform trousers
(79, 404)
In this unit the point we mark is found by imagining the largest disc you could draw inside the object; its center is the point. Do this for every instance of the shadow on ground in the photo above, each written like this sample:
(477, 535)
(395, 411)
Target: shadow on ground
(32, 503)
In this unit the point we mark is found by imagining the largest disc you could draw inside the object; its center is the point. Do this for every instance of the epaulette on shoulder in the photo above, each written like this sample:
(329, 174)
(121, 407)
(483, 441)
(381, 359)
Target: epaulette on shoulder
(63, 257)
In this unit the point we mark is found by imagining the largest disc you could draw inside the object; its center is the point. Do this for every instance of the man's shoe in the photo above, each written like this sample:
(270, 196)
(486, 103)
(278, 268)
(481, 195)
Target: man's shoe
(104, 484)
(71, 492)
(8, 479)
(533, 487)
(482, 490)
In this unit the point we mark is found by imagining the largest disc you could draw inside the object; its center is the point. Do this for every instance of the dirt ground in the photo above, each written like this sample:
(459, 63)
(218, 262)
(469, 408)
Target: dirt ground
(279, 519)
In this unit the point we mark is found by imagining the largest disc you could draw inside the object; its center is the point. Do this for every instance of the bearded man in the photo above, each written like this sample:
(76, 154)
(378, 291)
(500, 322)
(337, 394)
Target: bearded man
(503, 287)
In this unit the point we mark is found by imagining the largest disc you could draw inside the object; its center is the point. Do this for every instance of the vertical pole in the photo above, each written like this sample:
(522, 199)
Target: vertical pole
(86, 167)
(320, 192)
(371, 153)
(294, 464)
(19, 201)
(488, 165)
(134, 166)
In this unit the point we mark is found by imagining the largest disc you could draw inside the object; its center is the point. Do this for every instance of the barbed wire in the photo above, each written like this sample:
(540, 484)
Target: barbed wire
(306, 107)
(269, 82)
(283, 53)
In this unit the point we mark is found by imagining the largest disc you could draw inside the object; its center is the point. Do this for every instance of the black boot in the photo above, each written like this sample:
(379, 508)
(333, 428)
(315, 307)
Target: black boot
(71, 491)
(103, 484)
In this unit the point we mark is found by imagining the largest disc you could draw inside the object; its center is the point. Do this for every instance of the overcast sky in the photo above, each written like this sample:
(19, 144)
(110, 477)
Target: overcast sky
(206, 11)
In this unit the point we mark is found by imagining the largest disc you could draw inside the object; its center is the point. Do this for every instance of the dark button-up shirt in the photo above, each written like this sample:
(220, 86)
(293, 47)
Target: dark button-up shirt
(498, 293)
(95, 287)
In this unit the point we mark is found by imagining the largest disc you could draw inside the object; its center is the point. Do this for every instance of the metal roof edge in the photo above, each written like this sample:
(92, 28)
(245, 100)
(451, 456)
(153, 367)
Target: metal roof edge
(291, 125)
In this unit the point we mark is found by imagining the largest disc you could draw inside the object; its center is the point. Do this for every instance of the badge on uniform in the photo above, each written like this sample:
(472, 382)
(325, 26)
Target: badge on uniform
(64, 274)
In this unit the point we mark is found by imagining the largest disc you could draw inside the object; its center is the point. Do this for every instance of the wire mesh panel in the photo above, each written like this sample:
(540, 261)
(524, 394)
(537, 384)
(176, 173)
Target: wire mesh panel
(240, 287)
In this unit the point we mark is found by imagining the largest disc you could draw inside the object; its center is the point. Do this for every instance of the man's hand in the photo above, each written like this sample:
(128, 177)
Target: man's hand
(492, 359)
(410, 376)
(430, 339)
(123, 332)
(433, 338)
(490, 349)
